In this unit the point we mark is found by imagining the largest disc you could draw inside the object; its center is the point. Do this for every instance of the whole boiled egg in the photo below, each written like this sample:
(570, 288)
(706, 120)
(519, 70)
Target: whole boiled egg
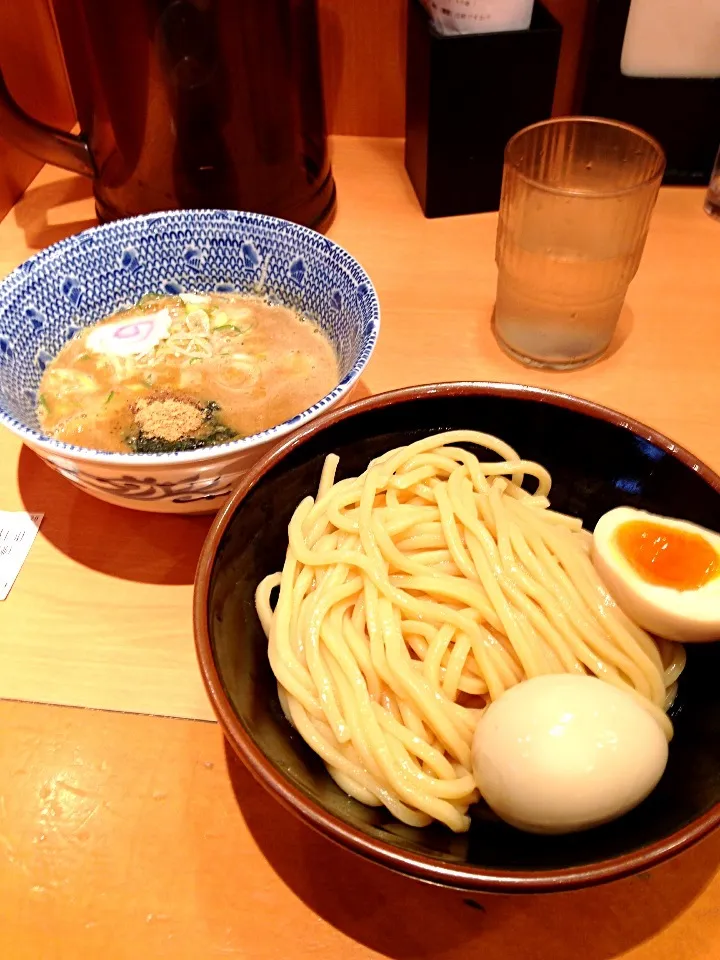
(663, 573)
(561, 753)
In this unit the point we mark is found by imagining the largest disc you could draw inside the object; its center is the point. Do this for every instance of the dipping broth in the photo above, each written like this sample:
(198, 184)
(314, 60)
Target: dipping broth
(183, 372)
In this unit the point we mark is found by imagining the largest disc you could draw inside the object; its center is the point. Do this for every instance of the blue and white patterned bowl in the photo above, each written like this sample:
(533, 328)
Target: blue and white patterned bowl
(79, 280)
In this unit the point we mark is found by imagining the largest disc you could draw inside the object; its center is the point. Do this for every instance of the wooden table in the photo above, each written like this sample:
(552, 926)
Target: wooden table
(126, 835)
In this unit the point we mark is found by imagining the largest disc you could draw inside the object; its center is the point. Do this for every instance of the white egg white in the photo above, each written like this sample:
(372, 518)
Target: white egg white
(687, 616)
(562, 753)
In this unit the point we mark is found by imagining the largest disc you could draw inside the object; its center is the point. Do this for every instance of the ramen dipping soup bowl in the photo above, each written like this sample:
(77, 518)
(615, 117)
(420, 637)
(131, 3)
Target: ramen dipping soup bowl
(245, 294)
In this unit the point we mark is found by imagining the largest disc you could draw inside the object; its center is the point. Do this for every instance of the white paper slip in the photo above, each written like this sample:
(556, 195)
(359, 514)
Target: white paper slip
(17, 532)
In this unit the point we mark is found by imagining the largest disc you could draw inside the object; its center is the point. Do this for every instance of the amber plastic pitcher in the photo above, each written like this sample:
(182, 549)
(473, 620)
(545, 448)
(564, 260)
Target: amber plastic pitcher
(191, 103)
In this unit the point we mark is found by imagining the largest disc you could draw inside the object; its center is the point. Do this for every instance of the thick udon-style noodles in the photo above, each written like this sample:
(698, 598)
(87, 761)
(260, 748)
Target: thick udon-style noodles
(413, 595)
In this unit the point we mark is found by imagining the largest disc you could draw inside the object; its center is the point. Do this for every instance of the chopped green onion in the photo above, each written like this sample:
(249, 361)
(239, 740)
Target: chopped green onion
(227, 326)
(110, 396)
(44, 403)
(195, 360)
(84, 356)
(189, 299)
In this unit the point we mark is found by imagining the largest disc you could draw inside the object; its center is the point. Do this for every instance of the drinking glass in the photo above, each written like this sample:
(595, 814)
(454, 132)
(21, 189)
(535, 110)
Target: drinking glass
(577, 195)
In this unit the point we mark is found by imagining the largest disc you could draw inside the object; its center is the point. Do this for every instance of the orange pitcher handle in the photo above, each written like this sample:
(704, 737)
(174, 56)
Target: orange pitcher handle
(54, 146)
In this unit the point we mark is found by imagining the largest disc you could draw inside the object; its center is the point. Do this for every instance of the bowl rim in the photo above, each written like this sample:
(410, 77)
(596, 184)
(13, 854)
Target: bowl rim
(417, 865)
(233, 218)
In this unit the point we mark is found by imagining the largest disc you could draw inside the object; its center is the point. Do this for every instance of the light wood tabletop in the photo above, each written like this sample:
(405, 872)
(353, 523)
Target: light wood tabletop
(127, 834)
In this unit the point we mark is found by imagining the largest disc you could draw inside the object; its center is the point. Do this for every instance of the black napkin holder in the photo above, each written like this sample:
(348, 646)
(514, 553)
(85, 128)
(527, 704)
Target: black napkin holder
(465, 97)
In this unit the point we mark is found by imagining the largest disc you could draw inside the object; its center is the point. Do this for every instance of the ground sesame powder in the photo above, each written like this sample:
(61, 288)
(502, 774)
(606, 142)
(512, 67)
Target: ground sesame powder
(168, 418)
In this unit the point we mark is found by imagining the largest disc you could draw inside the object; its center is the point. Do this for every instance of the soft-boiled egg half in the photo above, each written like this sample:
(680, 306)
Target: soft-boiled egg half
(663, 573)
(565, 752)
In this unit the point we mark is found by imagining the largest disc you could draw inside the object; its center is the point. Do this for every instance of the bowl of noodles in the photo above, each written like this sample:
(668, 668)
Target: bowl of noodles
(152, 360)
(407, 567)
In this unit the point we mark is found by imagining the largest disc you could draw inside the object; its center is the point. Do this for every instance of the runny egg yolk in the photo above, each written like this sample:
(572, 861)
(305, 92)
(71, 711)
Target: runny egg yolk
(667, 557)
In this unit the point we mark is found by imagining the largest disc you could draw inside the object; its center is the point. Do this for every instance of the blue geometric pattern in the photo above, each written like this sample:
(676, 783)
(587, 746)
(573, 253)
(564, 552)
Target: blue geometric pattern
(54, 294)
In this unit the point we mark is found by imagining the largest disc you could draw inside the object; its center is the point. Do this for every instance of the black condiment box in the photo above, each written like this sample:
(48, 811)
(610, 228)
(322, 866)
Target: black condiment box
(682, 113)
(466, 96)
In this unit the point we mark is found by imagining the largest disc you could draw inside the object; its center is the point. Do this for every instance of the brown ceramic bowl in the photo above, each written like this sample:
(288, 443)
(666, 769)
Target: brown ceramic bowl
(598, 459)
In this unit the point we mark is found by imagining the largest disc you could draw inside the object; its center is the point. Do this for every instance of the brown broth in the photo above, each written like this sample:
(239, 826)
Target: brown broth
(254, 363)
